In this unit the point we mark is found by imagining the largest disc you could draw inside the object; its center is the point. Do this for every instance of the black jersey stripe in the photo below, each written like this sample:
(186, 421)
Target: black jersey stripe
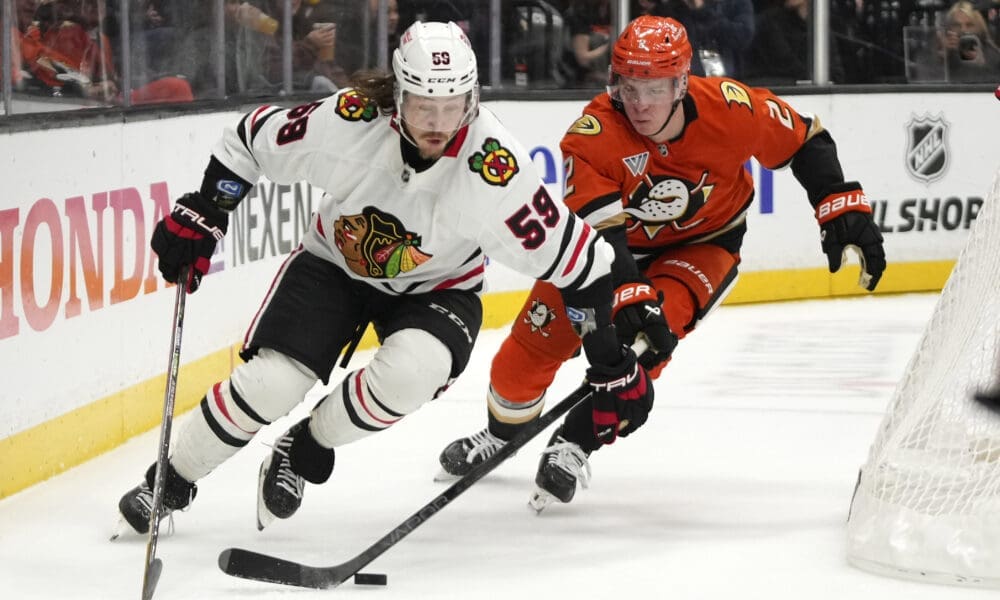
(216, 427)
(242, 405)
(259, 122)
(589, 262)
(569, 233)
(349, 407)
(241, 132)
(379, 404)
(472, 257)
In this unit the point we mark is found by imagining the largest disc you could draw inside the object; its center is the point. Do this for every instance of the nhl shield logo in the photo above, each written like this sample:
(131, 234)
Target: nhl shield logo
(927, 147)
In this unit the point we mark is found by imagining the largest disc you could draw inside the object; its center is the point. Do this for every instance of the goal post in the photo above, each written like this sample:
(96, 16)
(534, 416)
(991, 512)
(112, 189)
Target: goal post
(927, 503)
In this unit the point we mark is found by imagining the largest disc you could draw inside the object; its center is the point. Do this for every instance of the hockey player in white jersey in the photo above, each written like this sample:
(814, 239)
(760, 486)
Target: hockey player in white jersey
(421, 185)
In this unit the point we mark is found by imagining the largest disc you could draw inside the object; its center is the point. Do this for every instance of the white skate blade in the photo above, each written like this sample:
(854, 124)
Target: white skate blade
(264, 516)
(540, 499)
(122, 528)
(443, 476)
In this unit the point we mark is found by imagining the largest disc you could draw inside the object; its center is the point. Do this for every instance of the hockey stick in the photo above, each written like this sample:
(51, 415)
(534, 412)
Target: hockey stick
(248, 564)
(989, 400)
(154, 566)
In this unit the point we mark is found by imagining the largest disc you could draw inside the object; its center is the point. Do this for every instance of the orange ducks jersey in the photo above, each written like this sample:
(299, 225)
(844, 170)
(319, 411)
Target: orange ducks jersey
(688, 189)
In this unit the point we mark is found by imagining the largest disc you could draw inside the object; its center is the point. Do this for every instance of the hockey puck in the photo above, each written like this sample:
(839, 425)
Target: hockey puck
(370, 579)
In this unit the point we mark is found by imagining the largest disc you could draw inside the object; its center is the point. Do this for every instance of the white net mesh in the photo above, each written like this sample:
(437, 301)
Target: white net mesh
(928, 500)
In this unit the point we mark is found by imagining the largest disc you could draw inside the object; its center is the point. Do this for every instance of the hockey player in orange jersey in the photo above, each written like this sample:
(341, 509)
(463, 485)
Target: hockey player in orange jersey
(656, 164)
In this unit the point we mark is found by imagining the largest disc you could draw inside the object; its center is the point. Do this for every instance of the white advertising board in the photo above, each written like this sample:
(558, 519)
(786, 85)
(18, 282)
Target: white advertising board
(83, 313)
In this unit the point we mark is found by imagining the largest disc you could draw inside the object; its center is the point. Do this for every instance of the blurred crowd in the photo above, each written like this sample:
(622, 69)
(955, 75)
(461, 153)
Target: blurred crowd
(181, 50)
(769, 42)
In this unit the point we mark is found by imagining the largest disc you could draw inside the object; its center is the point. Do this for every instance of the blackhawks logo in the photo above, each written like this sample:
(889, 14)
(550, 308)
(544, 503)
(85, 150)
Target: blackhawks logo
(495, 164)
(375, 244)
(352, 106)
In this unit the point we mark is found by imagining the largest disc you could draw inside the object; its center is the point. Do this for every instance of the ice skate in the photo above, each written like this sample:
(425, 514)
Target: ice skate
(279, 488)
(462, 455)
(562, 464)
(136, 507)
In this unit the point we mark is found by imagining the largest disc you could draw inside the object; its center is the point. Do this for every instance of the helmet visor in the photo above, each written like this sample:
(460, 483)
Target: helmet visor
(663, 90)
(446, 114)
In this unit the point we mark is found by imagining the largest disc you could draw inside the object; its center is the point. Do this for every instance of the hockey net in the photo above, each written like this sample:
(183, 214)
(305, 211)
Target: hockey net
(927, 505)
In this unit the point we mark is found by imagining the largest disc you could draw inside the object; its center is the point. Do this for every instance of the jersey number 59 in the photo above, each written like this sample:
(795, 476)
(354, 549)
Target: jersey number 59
(529, 223)
(298, 120)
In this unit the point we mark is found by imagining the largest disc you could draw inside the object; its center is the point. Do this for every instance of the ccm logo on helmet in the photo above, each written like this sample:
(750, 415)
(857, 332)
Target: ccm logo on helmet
(442, 79)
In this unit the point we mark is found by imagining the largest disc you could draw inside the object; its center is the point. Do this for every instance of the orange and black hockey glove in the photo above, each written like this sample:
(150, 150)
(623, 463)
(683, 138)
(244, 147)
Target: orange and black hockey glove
(845, 220)
(638, 310)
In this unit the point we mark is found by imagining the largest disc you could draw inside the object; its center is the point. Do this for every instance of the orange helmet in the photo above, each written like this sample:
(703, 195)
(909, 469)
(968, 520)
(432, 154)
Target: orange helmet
(651, 48)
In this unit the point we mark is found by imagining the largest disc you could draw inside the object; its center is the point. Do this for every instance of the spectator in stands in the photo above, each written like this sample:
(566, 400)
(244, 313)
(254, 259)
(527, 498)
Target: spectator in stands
(586, 56)
(68, 51)
(314, 65)
(158, 33)
(971, 53)
(720, 31)
(870, 35)
(24, 14)
(392, 29)
(643, 7)
(782, 48)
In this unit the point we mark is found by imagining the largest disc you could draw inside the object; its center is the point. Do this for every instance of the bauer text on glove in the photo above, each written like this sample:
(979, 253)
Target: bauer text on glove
(845, 221)
(638, 309)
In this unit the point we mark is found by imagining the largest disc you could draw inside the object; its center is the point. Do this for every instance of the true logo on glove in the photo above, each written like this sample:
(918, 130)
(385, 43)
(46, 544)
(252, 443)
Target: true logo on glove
(620, 382)
(196, 218)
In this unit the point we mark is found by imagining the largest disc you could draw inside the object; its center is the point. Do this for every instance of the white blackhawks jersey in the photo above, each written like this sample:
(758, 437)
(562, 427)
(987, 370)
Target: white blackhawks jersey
(403, 231)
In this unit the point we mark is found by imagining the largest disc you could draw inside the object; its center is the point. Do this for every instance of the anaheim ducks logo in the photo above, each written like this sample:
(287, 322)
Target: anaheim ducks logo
(375, 244)
(735, 94)
(353, 106)
(495, 164)
(585, 125)
(658, 202)
(538, 317)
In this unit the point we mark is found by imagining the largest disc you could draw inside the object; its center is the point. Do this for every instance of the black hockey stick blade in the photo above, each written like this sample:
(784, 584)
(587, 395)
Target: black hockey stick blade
(151, 579)
(262, 567)
(990, 400)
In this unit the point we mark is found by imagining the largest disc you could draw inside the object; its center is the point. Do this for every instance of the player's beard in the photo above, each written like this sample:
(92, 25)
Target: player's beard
(431, 144)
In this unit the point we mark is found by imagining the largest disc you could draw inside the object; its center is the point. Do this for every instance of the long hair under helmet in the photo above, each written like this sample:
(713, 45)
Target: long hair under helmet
(435, 60)
(651, 48)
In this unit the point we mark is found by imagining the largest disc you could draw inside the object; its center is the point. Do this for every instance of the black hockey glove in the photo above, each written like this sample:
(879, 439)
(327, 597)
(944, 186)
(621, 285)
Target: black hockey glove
(187, 236)
(623, 397)
(845, 221)
(638, 309)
